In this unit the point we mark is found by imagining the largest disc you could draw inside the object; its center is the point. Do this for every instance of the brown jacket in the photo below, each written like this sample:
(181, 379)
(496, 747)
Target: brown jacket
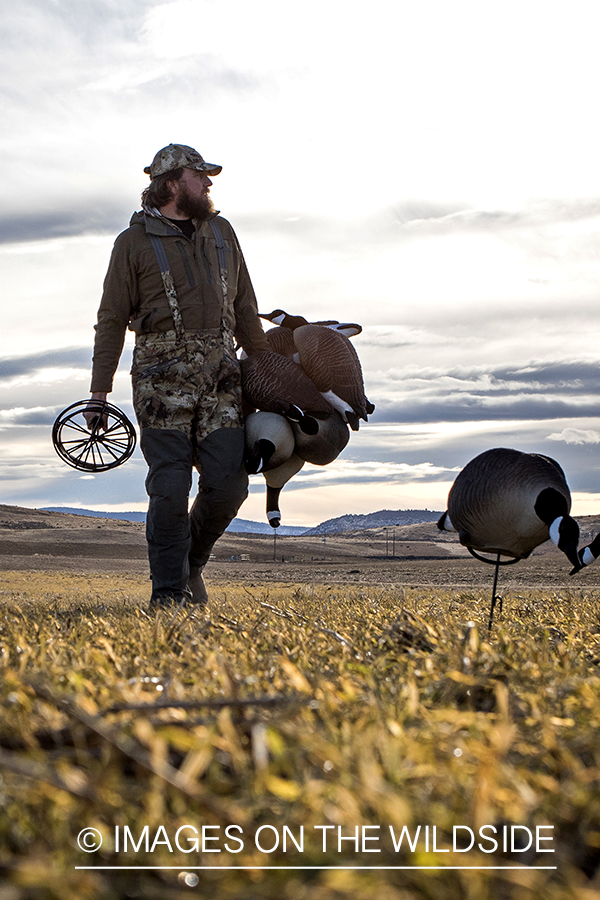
(134, 296)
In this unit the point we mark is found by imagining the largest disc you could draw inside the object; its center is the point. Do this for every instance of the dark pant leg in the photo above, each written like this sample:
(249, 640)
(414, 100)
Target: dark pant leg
(223, 489)
(170, 458)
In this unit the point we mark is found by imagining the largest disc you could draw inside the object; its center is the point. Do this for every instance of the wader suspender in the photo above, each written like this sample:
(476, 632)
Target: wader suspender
(169, 284)
(222, 257)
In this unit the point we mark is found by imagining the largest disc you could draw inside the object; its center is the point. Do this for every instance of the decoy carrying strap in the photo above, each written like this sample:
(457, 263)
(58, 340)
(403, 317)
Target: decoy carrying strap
(169, 284)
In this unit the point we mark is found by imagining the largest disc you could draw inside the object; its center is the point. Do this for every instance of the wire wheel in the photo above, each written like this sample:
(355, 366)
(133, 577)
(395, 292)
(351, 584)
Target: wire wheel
(108, 442)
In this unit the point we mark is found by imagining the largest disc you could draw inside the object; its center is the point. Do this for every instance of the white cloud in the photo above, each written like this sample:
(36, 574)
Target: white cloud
(575, 436)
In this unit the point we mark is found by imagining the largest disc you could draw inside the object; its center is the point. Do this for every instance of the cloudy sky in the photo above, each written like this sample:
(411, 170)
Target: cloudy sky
(429, 169)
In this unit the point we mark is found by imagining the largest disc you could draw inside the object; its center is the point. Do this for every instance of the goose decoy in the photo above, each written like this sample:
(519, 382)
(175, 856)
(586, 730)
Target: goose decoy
(269, 441)
(587, 555)
(325, 353)
(285, 320)
(274, 383)
(277, 479)
(333, 366)
(326, 445)
(508, 502)
(270, 449)
(278, 450)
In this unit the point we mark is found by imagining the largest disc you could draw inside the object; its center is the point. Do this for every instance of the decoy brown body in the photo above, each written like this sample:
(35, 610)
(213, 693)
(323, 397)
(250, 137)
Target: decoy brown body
(332, 364)
(281, 340)
(274, 383)
(508, 502)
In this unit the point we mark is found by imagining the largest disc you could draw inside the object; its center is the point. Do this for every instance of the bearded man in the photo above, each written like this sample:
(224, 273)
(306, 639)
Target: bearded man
(178, 280)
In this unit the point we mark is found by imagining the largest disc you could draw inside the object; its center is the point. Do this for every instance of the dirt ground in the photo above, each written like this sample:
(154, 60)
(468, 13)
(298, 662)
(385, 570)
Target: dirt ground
(410, 555)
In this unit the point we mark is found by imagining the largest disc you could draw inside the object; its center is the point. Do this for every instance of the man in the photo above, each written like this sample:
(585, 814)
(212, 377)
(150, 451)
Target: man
(177, 278)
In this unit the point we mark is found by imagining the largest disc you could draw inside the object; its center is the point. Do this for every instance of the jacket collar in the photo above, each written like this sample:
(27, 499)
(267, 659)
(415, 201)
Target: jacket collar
(155, 223)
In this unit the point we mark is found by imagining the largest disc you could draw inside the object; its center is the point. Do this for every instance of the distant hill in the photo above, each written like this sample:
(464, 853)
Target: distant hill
(241, 526)
(384, 518)
(247, 526)
(75, 511)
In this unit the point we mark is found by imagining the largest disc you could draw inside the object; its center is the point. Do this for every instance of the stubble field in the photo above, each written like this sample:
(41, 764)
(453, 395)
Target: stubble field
(320, 705)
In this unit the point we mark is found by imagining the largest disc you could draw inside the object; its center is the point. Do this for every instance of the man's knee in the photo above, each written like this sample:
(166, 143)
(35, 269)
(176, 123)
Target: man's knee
(169, 457)
(223, 478)
(220, 460)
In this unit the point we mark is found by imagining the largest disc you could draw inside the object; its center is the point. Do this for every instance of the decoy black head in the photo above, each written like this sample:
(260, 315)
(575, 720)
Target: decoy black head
(308, 424)
(564, 532)
(587, 555)
(256, 460)
(280, 317)
(444, 523)
(553, 509)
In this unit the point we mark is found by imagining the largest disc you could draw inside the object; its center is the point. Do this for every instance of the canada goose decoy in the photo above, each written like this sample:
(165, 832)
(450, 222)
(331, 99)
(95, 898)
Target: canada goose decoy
(269, 441)
(277, 479)
(333, 366)
(278, 450)
(270, 450)
(588, 554)
(326, 445)
(274, 383)
(285, 320)
(330, 361)
(508, 502)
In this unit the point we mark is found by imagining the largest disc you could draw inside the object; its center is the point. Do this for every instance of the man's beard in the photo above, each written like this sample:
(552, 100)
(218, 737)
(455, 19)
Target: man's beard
(194, 207)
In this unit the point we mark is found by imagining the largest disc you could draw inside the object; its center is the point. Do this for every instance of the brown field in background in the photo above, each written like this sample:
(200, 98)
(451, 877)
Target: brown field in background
(410, 555)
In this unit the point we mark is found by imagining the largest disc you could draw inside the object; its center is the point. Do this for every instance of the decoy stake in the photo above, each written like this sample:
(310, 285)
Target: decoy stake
(497, 563)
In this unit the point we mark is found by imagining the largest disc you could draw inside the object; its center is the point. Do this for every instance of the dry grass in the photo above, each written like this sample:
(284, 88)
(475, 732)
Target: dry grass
(299, 706)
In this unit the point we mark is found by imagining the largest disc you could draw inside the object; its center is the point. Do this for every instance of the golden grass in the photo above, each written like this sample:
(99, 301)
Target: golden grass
(331, 706)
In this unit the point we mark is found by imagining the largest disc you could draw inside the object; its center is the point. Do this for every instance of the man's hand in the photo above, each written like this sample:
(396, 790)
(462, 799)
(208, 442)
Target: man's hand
(93, 409)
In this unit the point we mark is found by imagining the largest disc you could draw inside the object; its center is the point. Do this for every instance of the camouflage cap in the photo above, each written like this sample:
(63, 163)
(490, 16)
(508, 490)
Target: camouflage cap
(175, 156)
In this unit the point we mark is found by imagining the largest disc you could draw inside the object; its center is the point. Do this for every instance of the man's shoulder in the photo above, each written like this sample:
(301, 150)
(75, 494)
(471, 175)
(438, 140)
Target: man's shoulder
(224, 226)
(132, 234)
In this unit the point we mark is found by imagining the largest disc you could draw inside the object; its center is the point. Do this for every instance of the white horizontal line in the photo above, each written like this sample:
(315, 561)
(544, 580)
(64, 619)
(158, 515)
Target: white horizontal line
(283, 868)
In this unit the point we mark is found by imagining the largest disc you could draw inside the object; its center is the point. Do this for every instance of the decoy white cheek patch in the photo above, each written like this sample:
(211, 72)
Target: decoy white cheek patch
(587, 557)
(554, 530)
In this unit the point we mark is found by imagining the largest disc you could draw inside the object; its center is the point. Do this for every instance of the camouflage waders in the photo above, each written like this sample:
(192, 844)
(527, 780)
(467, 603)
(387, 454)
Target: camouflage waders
(187, 399)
